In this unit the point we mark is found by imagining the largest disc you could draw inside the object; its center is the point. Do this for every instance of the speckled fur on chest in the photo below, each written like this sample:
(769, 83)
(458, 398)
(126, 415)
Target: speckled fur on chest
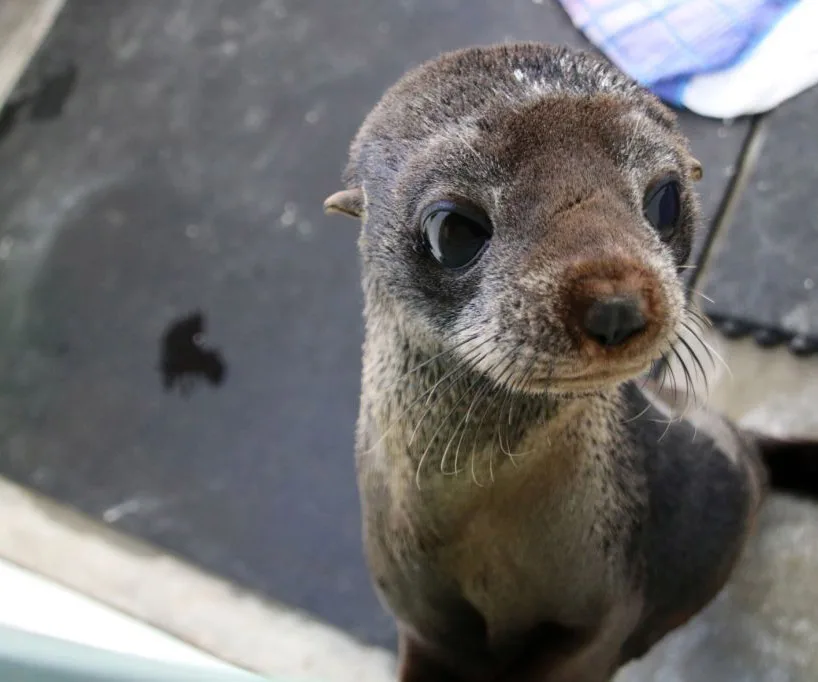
(528, 531)
(531, 551)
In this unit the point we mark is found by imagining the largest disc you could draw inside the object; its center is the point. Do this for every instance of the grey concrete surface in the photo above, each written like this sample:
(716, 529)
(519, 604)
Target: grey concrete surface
(763, 271)
(212, 614)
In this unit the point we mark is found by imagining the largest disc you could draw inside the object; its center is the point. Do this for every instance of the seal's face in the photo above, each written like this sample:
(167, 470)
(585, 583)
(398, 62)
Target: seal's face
(540, 237)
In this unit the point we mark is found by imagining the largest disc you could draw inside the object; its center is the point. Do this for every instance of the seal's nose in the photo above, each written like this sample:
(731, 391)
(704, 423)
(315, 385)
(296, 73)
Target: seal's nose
(612, 321)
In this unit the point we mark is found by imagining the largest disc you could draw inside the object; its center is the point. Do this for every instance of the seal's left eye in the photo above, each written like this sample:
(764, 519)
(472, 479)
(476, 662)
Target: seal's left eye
(456, 235)
(663, 206)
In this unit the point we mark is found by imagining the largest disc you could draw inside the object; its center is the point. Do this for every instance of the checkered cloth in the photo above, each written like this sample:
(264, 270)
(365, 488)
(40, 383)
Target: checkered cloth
(664, 44)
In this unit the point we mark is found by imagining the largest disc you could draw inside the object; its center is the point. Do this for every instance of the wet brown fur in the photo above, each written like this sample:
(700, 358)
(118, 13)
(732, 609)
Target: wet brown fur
(528, 512)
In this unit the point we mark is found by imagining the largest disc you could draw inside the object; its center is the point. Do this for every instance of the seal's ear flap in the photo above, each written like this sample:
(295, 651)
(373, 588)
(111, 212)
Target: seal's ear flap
(348, 202)
(696, 171)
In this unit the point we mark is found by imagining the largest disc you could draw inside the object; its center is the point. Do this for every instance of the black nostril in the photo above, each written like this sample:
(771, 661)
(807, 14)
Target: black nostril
(613, 321)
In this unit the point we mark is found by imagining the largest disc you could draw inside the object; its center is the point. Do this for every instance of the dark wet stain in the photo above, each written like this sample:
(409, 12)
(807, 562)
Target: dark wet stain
(48, 101)
(43, 100)
(8, 117)
(13, 109)
(184, 359)
(57, 349)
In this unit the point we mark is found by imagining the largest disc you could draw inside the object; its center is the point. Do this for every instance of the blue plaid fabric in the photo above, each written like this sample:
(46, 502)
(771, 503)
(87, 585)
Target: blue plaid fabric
(664, 43)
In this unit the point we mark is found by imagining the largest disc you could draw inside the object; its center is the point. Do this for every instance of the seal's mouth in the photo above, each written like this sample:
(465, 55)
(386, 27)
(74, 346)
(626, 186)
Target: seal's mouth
(590, 380)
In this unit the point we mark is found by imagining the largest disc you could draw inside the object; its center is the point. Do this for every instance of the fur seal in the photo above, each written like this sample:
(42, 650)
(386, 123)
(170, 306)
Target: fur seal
(531, 512)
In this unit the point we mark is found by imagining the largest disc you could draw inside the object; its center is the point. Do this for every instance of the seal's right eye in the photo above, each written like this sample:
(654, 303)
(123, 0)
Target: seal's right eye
(455, 234)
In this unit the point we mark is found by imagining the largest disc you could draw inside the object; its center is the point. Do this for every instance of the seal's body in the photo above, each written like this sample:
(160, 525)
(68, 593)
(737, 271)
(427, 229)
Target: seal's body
(530, 512)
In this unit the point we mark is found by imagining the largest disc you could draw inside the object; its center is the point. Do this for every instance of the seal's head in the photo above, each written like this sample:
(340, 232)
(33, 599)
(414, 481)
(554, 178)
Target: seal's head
(530, 205)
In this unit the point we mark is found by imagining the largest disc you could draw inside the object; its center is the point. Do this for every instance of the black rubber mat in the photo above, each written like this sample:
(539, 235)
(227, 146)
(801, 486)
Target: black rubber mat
(762, 276)
(180, 325)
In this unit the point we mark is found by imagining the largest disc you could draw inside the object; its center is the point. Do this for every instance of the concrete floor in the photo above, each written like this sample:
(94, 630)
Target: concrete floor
(764, 627)
(155, 588)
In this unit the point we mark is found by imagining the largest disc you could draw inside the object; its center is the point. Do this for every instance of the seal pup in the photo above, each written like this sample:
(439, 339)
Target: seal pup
(531, 511)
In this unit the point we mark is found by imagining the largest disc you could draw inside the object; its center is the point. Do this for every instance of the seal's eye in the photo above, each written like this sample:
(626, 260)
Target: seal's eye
(663, 206)
(455, 234)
